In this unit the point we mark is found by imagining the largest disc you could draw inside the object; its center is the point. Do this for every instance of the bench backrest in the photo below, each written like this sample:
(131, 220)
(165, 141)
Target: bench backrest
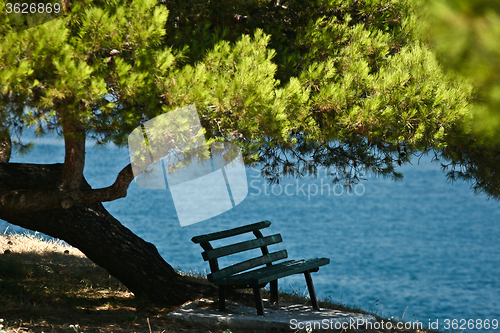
(212, 254)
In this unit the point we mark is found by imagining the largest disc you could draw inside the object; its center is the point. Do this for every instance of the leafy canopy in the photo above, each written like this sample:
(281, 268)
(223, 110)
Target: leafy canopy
(344, 84)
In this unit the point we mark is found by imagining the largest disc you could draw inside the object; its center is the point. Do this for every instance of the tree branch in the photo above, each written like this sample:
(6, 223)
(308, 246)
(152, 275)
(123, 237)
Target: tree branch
(52, 197)
(116, 191)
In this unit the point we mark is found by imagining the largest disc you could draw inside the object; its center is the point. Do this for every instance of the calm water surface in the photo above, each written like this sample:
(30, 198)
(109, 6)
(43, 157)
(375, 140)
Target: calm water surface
(421, 248)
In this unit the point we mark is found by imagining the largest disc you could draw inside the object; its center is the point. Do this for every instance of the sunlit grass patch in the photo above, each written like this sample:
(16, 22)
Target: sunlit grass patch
(36, 244)
(50, 272)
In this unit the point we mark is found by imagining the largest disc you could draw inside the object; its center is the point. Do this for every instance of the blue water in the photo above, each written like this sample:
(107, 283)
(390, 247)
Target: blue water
(421, 248)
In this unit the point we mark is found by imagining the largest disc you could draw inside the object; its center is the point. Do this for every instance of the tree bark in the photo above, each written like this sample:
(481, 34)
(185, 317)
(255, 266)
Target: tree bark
(38, 198)
(5, 146)
(102, 238)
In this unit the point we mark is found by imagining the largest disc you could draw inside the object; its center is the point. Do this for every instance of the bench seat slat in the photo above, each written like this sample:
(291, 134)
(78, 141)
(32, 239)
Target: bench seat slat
(248, 264)
(246, 276)
(271, 273)
(240, 247)
(231, 232)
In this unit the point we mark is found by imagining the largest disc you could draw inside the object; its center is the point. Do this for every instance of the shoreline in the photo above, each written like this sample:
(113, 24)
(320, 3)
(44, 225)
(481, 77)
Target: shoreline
(49, 286)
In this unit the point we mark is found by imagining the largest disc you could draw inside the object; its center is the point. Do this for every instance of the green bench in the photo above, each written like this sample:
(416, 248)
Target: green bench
(240, 275)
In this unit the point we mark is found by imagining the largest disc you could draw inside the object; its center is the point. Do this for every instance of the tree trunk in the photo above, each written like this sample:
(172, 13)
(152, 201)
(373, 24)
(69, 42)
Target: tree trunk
(102, 238)
(5, 146)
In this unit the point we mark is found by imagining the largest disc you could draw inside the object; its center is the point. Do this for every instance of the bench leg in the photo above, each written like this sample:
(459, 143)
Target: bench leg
(274, 292)
(259, 305)
(222, 298)
(312, 293)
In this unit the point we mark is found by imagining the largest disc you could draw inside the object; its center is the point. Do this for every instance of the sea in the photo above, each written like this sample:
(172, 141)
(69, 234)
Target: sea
(421, 250)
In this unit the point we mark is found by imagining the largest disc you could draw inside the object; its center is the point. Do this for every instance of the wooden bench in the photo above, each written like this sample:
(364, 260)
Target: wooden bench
(238, 276)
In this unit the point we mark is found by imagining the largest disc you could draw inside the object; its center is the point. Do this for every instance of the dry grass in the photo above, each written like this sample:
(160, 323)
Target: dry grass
(33, 244)
(49, 286)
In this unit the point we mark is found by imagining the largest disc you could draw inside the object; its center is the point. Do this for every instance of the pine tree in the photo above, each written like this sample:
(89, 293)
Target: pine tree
(352, 85)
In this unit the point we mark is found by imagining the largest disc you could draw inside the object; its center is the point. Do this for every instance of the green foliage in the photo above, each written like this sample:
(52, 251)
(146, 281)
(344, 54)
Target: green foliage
(96, 64)
(298, 85)
(466, 36)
